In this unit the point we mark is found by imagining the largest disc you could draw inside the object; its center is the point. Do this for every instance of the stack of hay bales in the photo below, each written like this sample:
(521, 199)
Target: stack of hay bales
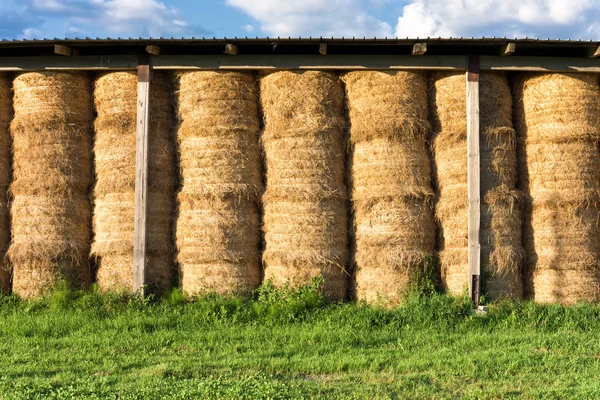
(5, 118)
(390, 177)
(217, 228)
(52, 170)
(115, 98)
(500, 229)
(305, 213)
(558, 119)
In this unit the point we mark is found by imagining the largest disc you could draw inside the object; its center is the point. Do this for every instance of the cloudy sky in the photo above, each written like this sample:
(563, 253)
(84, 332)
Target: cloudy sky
(575, 19)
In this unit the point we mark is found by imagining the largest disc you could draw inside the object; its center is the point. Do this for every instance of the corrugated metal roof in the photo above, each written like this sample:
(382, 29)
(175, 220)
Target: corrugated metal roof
(303, 39)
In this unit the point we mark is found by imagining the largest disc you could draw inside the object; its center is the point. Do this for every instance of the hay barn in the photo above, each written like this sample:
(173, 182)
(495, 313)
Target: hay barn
(214, 165)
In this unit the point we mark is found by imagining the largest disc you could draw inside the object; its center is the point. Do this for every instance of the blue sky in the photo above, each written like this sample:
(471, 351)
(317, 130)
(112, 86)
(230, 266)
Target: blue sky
(575, 19)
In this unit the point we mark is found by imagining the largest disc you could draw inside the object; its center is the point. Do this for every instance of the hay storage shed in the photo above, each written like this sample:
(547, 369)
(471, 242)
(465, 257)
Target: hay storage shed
(55, 244)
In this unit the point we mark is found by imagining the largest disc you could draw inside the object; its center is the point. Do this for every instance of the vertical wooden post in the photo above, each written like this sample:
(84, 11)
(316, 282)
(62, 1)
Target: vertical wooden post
(141, 176)
(473, 177)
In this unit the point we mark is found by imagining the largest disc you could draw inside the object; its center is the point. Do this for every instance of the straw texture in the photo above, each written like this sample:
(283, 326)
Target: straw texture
(558, 118)
(5, 174)
(305, 214)
(390, 179)
(217, 227)
(500, 230)
(51, 211)
(115, 99)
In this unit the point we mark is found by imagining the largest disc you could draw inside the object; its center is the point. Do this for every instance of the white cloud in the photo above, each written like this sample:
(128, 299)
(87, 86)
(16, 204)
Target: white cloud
(115, 17)
(248, 28)
(542, 18)
(313, 18)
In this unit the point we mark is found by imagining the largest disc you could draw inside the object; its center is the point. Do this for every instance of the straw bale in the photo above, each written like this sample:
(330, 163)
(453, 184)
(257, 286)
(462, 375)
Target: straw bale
(217, 227)
(115, 99)
(51, 212)
(558, 117)
(390, 175)
(557, 108)
(218, 242)
(500, 229)
(5, 118)
(305, 214)
(390, 105)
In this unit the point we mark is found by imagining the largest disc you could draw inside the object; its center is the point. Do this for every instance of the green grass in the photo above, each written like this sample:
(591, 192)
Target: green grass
(281, 344)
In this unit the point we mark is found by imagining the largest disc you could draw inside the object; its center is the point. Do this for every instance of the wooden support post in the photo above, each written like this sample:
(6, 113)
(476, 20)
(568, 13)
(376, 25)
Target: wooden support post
(419, 49)
(473, 177)
(508, 49)
(323, 49)
(62, 50)
(153, 49)
(231, 49)
(141, 176)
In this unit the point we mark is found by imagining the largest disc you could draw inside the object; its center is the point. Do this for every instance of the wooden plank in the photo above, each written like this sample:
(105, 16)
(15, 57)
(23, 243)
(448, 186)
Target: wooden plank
(473, 176)
(307, 61)
(419, 49)
(508, 49)
(141, 177)
(316, 61)
(231, 49)
(593, 53)
(323, 49)
(62, 50)
(60, 63)
(540, 64)
(153, 49)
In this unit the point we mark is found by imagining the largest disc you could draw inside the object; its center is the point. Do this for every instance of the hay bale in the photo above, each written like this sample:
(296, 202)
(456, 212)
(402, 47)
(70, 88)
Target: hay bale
(51, 212)
(391, 180)
(500, 230)
(115, 99)
(558, 120)
(305, 214)
(5, 118)
(217, 227)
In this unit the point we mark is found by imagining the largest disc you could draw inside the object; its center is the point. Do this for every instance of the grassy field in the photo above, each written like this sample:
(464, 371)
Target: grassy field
(282, 345)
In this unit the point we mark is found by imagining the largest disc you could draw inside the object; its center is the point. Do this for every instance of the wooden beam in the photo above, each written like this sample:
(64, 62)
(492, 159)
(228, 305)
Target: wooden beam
(299, 61)
(62, 50)
(141, 177)
(419, 49)
(593, 53)
(323, 49)
(508, 49)
(317, 62)
(231, 49)
(153, 49)
(60, 63)
(540, 64)
(473, 177)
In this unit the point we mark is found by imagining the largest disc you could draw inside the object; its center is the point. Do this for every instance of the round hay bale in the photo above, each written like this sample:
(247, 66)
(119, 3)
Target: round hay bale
(51, 211)
(5, 118)
(390, 175)
(305, 214)
(500, 229)
(217, 227)
(558, 116)
(115, 99)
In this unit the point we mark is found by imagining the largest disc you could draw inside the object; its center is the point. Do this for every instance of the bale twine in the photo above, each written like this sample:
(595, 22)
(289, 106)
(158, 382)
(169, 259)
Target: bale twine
(500, 229)
(5, 118)
(390, 176)
(558, 118)
(115, 99)
(305, 214)
(51, 211)
(217, 227)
